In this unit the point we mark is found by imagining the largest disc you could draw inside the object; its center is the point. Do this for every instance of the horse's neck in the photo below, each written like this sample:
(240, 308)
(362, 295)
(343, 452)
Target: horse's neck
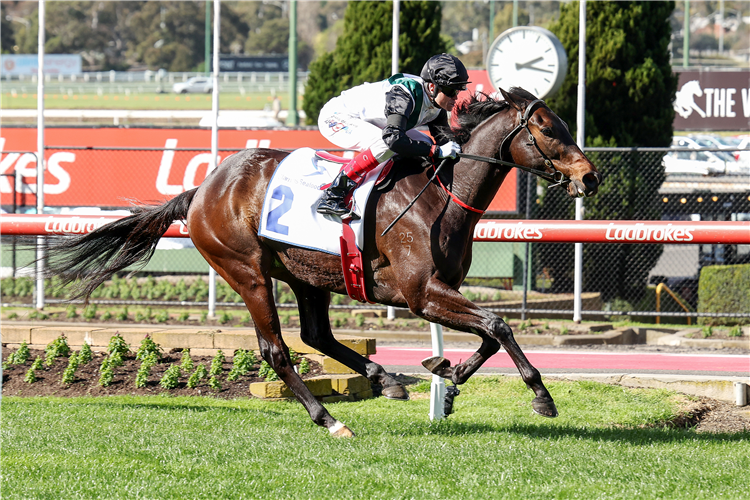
(474, 182)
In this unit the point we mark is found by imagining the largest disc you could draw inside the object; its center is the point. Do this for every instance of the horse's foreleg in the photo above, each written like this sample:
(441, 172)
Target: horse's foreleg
(316, 332)
(451, 309)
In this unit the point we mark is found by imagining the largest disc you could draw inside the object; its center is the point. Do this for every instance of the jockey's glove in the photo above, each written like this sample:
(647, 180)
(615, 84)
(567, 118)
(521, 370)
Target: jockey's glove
(449, 150)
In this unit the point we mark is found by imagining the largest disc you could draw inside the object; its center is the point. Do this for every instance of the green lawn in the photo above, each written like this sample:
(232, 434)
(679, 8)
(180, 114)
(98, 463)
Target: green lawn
(167, 101)
(603, 445)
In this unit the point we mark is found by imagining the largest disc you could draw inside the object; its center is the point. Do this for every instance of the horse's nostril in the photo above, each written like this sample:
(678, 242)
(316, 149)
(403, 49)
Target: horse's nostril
(591, 180)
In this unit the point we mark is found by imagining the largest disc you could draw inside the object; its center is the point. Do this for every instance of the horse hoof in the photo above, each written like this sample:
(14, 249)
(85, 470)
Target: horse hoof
(395, 392)
(437, 365)
(544, 407)
(339, 430)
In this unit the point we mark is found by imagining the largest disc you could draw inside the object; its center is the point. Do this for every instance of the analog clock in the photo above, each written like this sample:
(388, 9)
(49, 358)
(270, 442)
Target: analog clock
(529, 57)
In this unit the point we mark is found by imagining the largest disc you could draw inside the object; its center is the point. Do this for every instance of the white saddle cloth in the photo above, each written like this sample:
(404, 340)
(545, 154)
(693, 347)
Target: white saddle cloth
(289, 206)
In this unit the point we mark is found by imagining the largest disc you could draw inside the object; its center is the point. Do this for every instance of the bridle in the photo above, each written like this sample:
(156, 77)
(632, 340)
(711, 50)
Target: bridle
(556, 177)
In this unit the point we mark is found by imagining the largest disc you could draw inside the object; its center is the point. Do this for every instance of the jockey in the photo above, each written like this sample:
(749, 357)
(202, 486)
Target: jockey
(380, 119)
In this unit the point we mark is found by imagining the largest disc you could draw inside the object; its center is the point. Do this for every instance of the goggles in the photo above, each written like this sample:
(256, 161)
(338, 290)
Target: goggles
(450, 92)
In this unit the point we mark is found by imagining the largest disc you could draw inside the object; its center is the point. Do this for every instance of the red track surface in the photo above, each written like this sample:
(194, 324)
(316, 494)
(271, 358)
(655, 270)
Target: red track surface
(547, 360)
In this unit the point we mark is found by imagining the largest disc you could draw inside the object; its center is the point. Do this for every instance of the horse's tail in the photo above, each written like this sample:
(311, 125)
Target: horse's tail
(94, 257)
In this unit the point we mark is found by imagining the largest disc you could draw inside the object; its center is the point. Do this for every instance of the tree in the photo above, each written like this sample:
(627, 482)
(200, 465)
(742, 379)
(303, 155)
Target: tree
(363, 52)
(6, 36)
(629, 91)
(171, 35)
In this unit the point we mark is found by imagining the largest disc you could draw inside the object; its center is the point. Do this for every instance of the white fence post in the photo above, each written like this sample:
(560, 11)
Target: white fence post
(437, 389)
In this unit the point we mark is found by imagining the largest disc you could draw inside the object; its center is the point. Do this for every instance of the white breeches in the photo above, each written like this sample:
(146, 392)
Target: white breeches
(351, 132)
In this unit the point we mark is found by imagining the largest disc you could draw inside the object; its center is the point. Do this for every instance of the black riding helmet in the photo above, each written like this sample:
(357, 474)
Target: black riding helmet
(446, 72)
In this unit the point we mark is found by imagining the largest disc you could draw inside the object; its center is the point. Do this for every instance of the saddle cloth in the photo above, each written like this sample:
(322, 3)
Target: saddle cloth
(289, 212)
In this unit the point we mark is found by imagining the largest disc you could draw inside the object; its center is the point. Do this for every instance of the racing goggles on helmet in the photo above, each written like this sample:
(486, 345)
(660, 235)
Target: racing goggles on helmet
(450, 91)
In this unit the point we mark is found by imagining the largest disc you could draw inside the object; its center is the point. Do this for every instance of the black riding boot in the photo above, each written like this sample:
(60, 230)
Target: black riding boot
(332, 201)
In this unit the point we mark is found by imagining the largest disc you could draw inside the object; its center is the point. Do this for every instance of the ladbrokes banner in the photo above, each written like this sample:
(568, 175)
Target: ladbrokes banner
(151, 164)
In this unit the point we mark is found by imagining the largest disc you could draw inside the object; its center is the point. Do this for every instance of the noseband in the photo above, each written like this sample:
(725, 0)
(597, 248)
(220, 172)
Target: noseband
(556, 177)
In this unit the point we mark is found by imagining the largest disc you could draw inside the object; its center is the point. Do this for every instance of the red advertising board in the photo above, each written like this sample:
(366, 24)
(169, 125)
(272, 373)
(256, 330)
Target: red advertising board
(153, 164)
(171, 161)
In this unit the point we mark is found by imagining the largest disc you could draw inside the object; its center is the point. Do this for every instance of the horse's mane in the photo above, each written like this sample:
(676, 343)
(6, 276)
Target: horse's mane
(473, 111)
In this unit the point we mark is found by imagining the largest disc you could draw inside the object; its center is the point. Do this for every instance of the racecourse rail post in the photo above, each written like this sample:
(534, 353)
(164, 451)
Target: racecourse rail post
(437, 388)
(15, 209)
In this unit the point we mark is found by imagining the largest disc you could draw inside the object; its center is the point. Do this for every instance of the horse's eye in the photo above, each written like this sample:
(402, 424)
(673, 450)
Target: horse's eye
(548, 132)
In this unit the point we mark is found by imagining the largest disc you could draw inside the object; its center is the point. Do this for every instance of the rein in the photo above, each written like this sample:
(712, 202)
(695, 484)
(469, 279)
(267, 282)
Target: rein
(558, 178)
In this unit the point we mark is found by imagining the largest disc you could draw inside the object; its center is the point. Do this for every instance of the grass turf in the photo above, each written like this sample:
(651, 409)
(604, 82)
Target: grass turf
(603, 445)
(249, 101)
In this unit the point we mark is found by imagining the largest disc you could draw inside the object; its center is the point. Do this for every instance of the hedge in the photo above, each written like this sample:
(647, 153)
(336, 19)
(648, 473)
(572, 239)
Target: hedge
(724, 289)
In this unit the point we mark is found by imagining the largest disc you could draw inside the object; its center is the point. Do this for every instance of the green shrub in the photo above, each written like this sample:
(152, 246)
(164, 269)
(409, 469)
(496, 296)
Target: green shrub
(89, 312)
(216, 364)
(170, 379)
(71, 312)
(30, 376)
(736, 331)
(116, 359)
(106, 374)
(266, 372)
(724, 289)
(85, 355)
(38, 315)
(359, 320)
(56, 349)
(186, 363)
(118, 344)
(106, 316)
(214, 383)
(199, 374)
(225, 317)
(147, 348)
(304, 366)
(69, 374)
(708, 331)
(162, 316)
(22, 354)
(241, 364)
(13, 315)
(294, 356)
(123, 315)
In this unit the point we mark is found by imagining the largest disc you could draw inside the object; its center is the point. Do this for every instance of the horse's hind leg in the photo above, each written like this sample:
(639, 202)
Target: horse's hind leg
(316, 332)
(253, 284)
(259, 299)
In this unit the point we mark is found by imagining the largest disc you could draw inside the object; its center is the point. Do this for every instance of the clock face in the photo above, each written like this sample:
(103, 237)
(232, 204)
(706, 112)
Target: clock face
(529, 57)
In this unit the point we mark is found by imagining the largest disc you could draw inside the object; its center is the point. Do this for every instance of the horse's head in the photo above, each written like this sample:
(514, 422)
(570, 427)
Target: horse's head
(542, 141)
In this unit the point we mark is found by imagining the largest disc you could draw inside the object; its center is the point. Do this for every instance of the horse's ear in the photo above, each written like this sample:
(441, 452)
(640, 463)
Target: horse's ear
(510, 100)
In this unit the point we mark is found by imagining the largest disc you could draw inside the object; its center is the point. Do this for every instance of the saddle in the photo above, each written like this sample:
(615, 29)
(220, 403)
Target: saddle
(351, 257)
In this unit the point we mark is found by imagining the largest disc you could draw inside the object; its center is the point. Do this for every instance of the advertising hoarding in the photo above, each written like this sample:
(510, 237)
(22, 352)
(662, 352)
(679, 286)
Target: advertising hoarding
(28, 64)
(713, 101)
(163, 167)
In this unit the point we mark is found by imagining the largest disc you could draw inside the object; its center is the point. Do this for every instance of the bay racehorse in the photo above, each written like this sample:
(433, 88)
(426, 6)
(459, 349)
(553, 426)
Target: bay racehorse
(419, 265)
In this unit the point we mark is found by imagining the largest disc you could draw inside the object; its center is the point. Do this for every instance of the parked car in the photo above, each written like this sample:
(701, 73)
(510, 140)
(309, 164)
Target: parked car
(196, 84)
(699, 162)
(733, 145)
